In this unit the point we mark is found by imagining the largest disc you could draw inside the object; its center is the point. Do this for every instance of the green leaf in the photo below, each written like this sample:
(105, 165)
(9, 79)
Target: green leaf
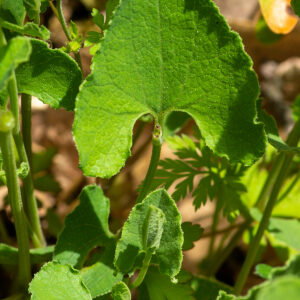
(58, 282)
(207, 289)
(191, 234)
(296, 108)
(263, 271)
(291, 268)
(296, 7)
(286, 230)
(121, 291)
(47, 183)
(272, 131)
(32, 8)
(44, 5)
(50, 75)
(178, 55)
(101, 276)
(29, 28)
(42, 161)
(16, 52)
(111, 5)
(9, 255)
(85, 228)
(132, 242)
(12, 11)
(174, 121)
(93, 37)
(98, 18)
(159, 287)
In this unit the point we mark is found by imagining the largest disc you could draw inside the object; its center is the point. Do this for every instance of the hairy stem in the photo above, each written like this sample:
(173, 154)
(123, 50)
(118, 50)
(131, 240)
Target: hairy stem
(137, 282)
(146, 185)
(62, 20)
(7, 147)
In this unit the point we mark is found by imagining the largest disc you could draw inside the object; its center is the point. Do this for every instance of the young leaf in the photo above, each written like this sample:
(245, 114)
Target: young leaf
(32, 8)
(263, 271)
(178, 55)
(85, 228)
(16, 52)
(29, 28)
(159, 287)
(9, 255)
(132, 242)
(50, 75)
(121, 291)
(58, 282)
(12, 11)
(110, 7)
(191, 234)
(101, 276)
(98, 18)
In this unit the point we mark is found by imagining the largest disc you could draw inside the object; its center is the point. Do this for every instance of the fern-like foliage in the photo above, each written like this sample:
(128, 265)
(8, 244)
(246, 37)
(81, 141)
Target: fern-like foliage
(199, 171)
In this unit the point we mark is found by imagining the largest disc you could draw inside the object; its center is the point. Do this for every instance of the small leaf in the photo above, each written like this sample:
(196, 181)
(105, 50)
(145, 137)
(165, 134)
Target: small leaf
(286, 230)
(44, 5)
(42, 161)
(121, 291)
(264, 33)
(98, 18)
(29, 28)
(263, 271)
(47, 183)
(132, 241)
(58, 282)
(16, 52)
(12, 11)
(178, 55)
(159, 287)
(191, 234)
(102, 276)
(50, 75)
(278, 15)
(32, 8)
(85, 228)
(111, 5)
(9, 255)
(93, 37)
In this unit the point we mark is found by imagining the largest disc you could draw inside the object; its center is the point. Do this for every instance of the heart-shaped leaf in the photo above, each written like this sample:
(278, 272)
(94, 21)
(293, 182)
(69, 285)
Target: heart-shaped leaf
(161, 56)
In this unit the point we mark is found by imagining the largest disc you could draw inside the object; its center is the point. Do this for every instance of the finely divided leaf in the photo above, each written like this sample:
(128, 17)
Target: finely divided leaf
(161, 56)
(14, 53)
(121, 291)
(85, 228)
(50, 75)
(191, 233)
(102, 276)
(132, 243)
(58, 282)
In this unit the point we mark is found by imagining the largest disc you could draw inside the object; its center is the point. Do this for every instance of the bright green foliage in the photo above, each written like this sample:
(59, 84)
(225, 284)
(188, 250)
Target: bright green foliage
(191, 233)
(16, 52)
(57, 71)
(9, 255)
(85, 228)
(291, 268)
(58, 282)
(207, 289)
(121, 291)
(177, 55)
(32, 8)
(98, 18)
(111, 5)
(159, 287)
(133, 244)
(29, 28)
(286, 230)
(101, 276)
(12, 11)
(219, 179)
(263, 271)
(296, 7)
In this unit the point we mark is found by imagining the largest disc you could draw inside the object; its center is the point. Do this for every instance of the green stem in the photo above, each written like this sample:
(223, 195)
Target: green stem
(156, 149)
(24, 275)
(62, 20)
(26, 126)
(4, 237)
(29, 198)
(137, 282)
(14, 102)
(214, 228)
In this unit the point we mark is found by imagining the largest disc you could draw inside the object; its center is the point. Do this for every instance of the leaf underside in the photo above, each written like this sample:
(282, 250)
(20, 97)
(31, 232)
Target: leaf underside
(161, 56)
